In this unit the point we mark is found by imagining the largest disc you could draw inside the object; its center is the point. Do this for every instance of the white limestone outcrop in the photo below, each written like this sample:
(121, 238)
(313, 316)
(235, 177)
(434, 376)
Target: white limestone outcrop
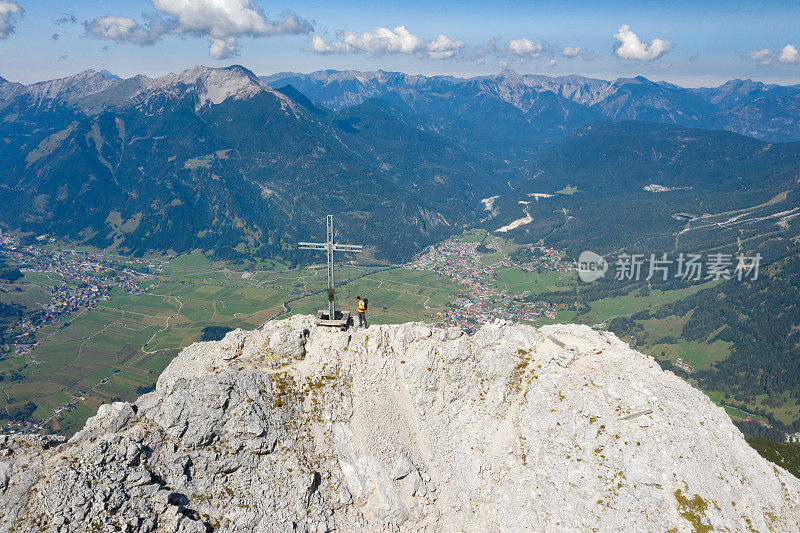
(402, 428)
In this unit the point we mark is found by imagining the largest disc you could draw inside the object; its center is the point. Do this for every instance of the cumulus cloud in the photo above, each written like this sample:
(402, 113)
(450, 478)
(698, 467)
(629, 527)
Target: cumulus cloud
(762, 56)
(66, 18)
(322, 47)
(127, 30)
(526, 48)
(444, 47)
(789, 55)
(569, 52)
(383, 41)
(223, 48)
(221, 19)
(222, 22)
(9, 13)
(552, 63)
(629, 46)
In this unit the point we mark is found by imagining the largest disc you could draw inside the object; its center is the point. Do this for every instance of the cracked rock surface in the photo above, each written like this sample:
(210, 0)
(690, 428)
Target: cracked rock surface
(401, 428)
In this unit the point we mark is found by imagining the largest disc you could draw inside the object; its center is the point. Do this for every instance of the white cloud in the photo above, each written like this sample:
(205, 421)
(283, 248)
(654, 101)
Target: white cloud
(221, 19)
(552, 63)
(762, 56)
(570, 52)
(223, 48)
(319, 46)
(789, 55)
(629, 46)
(384, 41)
(526, 48)
(9, 12)
(125, 30)
(222, 22)
(444, 47)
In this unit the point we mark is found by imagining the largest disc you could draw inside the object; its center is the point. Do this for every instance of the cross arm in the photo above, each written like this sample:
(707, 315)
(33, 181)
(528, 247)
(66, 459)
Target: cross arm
(312, 246)
(347, 247)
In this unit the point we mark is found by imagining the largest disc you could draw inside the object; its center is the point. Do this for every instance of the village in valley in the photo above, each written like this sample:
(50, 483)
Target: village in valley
(79, 281)
(68, 284)
(490, 275)
(465, 281)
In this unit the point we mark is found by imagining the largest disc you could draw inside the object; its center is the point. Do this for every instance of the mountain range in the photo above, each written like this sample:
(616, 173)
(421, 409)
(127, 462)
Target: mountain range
(225, 161)
(216, 159)
(649, 187)
(555, 106)
(242, 166)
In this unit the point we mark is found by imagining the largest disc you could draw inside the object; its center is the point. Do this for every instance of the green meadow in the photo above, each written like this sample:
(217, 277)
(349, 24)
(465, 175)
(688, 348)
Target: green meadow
(119, 348)
(104, 354)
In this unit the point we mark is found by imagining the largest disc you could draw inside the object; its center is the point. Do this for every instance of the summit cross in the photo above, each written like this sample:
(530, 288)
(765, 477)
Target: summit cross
(329, 246)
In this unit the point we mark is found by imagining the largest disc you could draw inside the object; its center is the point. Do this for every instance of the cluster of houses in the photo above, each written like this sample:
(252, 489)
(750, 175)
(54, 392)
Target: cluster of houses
(683, 366)
(485, 300)
(21, 427)
(86, 280)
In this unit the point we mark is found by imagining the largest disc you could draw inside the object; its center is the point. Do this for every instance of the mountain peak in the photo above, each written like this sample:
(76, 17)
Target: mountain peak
(71, 87)
(405, 426)
(109, 75)
(204, 72)
(743, 84)
(211, 85)
(509, 72)
(636, 80)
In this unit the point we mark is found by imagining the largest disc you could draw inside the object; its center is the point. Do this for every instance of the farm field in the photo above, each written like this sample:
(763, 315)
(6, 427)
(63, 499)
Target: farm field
(515, 280)
(118, 349)
(607, 308)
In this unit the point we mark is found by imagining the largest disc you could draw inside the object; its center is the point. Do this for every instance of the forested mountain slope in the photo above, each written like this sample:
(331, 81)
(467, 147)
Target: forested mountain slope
(654, 188)
(216, 159)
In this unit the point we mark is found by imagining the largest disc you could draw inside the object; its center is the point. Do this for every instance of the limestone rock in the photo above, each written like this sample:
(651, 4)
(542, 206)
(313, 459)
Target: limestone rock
(401, 428)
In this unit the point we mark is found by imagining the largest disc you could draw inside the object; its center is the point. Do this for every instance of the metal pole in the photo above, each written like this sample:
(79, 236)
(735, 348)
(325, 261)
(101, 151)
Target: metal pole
(331, 306)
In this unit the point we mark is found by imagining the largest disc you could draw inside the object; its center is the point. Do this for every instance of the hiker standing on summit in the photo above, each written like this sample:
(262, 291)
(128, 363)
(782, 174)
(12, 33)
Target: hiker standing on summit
(362, 312)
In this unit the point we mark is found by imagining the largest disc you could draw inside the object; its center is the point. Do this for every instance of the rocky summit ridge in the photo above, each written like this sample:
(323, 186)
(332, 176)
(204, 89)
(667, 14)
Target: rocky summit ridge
(402, 428)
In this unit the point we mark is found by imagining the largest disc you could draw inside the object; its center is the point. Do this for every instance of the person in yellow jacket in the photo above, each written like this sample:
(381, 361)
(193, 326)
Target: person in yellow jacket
(362, 312)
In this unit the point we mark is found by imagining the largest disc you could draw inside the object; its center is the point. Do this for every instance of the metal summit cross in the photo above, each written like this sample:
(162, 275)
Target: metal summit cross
(329, 246)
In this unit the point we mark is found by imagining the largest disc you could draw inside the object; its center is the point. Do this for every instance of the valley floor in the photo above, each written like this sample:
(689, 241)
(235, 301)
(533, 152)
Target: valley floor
(114, 345)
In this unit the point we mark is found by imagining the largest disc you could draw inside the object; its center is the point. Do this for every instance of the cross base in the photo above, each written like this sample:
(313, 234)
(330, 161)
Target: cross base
(340, 320)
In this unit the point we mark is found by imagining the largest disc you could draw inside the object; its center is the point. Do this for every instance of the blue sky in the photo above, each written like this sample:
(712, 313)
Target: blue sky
(697, 43)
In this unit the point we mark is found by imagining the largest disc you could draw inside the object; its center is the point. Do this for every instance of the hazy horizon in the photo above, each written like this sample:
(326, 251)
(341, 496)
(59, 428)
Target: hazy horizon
(711, 82)
(692, 44)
